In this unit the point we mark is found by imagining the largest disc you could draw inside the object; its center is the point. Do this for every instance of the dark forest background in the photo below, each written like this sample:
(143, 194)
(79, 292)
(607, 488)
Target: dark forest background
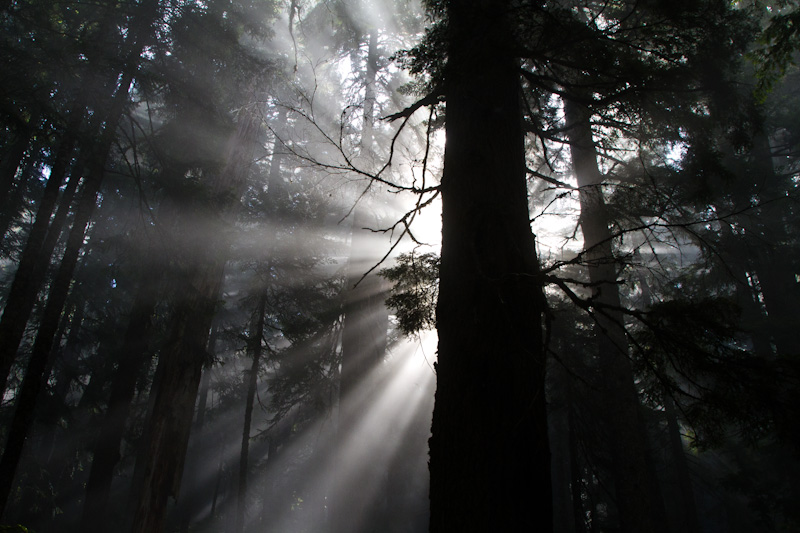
(226, 226)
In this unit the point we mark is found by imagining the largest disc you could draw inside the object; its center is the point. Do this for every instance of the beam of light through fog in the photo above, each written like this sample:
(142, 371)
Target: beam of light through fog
(394, 401)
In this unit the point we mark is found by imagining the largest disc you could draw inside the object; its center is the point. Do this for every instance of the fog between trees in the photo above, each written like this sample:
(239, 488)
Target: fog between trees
(228, 303)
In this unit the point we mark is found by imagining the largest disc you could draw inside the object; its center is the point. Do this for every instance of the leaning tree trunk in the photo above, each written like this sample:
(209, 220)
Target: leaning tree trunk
(34, 376)
(489, 451)
(32, 272)
(182, 358)
(33, 262)
(38, 362)
(639, 508)
(35, 372)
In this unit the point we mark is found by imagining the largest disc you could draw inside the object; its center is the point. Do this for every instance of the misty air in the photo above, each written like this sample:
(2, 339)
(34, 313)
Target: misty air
(399, 266)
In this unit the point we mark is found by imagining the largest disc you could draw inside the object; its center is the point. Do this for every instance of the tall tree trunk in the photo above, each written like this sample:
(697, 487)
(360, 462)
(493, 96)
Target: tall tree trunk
(639, 509)
(34, 376)
(67, 371)
(364, 340)
(106, 449)
(12, 326)
(254, 340)
(182, 359)
(200, 446)
(33, 263)
(56, 455)
(35, 260)
(181, 363)
(771, 256)
(35, 373)
(12, 160)
(14, 203)
(489, 451)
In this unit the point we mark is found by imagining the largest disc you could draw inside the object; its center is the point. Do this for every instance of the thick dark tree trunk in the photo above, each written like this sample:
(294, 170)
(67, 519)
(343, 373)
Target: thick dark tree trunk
(639, 508)
(773, 260)
(489, 451)
(256, 334)
(181, 363)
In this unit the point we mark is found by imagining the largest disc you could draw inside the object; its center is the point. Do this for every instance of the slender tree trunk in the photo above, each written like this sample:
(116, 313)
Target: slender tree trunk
(364, 340)
(489, 451)
(68, 370)
(205, 383)
(639, 509)
(256, 334)
(73, 314)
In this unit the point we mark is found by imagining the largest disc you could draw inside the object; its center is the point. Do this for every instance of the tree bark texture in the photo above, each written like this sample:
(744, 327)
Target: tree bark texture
(639, 509)
(489, 451)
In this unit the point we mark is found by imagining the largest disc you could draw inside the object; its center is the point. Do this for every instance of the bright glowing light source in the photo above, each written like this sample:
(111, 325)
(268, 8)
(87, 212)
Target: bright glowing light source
(427, 225)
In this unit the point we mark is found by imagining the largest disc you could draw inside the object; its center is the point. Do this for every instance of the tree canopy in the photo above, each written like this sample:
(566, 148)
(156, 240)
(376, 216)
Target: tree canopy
(383, 265)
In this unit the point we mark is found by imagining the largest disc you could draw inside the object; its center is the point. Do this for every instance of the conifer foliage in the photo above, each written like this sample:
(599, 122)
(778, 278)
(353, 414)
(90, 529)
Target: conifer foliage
(218, 291)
